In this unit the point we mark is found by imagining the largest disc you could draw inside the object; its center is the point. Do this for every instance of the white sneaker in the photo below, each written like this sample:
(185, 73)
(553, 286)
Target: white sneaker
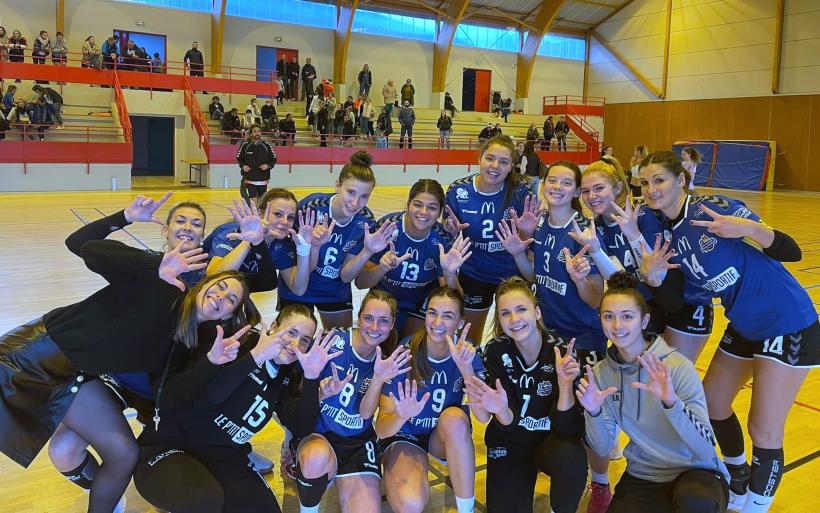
(260, 463)
(736, 501)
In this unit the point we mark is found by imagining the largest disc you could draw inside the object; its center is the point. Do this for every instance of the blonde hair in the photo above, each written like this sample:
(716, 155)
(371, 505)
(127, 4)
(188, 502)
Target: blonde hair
(614, 174)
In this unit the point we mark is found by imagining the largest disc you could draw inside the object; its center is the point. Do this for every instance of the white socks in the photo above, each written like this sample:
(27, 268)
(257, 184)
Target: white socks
(756, 503)
(465, 505)
(599, 478)
(305, 509)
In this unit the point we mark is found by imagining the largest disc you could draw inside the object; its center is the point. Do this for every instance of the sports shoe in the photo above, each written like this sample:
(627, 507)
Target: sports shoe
(120, 507)
(599, 498)
(260, 463)
(736, 502)
(616, 453)
(288, 462)
(739, 479)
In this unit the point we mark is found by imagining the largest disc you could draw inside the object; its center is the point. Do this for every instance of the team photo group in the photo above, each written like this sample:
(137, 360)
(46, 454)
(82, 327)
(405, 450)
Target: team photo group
(599, 296)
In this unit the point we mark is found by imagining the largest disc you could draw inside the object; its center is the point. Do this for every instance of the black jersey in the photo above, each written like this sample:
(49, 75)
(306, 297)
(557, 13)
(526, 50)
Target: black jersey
(532, 391)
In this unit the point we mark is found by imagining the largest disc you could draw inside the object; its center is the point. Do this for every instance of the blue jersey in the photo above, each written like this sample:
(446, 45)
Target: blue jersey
(418, 275)
(762, 299)
(325, 285)
(340, 414)
(446, 387)
(282, 252)
(562, 308)
(490, 262)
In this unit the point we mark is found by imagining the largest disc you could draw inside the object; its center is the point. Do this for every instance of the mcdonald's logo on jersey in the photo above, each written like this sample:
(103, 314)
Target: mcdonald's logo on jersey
(438, 378)
(525, 381)
(414, 252)
(336, 239)
(354, 371)
(488, 207)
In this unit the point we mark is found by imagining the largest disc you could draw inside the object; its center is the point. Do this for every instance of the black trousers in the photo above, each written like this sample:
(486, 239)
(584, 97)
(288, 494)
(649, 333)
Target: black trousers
(192, 482)
(701, 491)
(512, 472)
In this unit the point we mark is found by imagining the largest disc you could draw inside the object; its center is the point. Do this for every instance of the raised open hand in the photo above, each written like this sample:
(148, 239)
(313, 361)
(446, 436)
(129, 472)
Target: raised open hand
(627, 219)
(507, 233)
(660, 379)
(586, 237)
(307, 224)
(322, 232)
(452, 260)
(143, 208)
(225, 349)
(175, 263)
(391, 366)
(315, 360)
(492, 400)
(578, 266)
(654, 264)
(378, 240)
(452, 225)
(251, 227)
(590, 396)
(527, 222)
(407, 404)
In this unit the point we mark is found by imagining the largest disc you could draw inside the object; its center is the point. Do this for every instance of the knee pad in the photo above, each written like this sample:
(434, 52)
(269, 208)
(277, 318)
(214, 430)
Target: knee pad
(311, 490)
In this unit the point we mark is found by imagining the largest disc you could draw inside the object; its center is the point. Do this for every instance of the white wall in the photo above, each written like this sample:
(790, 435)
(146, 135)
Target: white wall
(800, 65)
(554, 77)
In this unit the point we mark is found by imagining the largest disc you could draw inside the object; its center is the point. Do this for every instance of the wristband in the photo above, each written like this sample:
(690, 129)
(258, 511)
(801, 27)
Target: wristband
(302, 246)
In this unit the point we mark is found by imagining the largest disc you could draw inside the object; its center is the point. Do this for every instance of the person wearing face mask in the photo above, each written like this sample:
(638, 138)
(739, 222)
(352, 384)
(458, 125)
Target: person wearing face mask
(419, 259)
(214, 411)
(427, 415)
(256, 158)
(343, 448)
(536, 424)
(672, 466)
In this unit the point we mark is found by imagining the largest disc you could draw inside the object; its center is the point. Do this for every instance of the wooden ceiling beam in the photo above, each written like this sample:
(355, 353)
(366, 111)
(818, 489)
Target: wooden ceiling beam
(525, 60)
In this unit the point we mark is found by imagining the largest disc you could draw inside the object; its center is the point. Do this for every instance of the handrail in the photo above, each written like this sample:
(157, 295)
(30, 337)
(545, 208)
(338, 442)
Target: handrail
(197, 120)
(574, 100)
(122, 110)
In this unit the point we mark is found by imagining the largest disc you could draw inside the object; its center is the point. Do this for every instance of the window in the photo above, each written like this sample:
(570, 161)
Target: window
(563, 47)
(298, 12)
(393, 25)
(491, 38)
(185, 5)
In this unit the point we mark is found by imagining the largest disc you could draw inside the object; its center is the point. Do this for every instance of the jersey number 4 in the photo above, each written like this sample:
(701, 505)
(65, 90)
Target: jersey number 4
(694, 266)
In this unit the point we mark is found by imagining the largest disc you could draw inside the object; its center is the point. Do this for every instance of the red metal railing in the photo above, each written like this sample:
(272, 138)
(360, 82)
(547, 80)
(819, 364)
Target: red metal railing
(122, 110)
(197, 119)
(598, 101)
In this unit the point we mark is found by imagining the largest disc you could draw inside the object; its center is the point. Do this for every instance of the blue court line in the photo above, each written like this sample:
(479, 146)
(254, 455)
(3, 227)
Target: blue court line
(144, 245)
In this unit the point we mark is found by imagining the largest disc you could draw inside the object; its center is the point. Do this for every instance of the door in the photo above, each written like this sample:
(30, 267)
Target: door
(266, 59)
(475, 89)
(153, 143)
(468, 89)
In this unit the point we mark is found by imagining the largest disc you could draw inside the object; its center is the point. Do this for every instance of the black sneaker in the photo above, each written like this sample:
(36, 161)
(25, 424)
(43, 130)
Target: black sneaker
(740, 475)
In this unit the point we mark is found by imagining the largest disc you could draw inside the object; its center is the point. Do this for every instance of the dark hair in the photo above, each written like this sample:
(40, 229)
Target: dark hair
(187, 325)
(419, 364)
(43, 32)
(37, 87)
(275, 194)
(576, 171)
(59, 33)
(694, 154)
(11, 88)
(604, 148)
(669, 161)
(379, 295)
(359, 168)
(186, 204)
(429, 186)
(529, 148)
(513, 179)
(625, 284)
(212, 99)
(250, 128)
(514, 284)
(291, 309)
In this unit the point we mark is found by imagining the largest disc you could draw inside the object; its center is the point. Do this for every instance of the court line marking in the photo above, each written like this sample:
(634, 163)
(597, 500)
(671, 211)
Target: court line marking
(144, 245)
(802, 461)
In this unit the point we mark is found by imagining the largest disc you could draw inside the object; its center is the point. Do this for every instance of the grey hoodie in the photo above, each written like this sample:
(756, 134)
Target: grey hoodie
(663, 442)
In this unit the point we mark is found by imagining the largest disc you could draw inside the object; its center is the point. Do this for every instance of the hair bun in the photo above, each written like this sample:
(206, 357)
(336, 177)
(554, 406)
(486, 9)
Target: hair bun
(361, 158)
(623, 279)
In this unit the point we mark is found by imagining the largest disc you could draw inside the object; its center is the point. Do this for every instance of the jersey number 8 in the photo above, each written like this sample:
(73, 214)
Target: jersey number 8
(346, 394)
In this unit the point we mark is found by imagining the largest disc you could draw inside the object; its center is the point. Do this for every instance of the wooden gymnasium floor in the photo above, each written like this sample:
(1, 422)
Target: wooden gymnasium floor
(37, 273)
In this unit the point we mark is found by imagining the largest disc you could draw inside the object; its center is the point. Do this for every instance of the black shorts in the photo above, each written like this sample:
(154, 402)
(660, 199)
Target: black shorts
(798, 349)
(129, 399)
(478, 295)
(341, 306)
(420, 441)
(692, 319)
(254, 191)
(356, 455)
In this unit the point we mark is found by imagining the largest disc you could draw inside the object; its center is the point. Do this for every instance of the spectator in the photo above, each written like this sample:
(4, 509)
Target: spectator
(256, 158)
(449, 105)
(408, 93)
(532, 133)
(156, 64)
(327, 88)
(248, 120)
(365, 81)
(506, 106)
(53, 100)
(280, 95)
(4, 44)
(282, 73)
(268, 113)
(366, 115)
(253, 107)
(17, 47)
(561, 131)
(518, 157)
(407, 118)
(445, 128)
(4, 125)
(232, 125)
(59, 50)
(216, 109)
(381, 140)
(607, 151)
(41, 49)
(312, 110)
(323, 119)
(496, 131)
(496, 102)
(8, 99)
(349, 130)
(110, 52)
(690, 158)
(288, 129)
(308, 76)
(19, 118)
(385, 122)
(92, 58)
(349, 103)
(339, 123)
(638, 154)
(293, 79)
(390, 96)
(485, 133)
(531, 164)
(40, 116)
(194, 61)
(133, 58)
(549, 131)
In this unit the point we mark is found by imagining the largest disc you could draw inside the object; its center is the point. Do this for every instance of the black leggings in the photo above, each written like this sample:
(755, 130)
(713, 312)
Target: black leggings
(513, 470)
(183, 482)
(704, 491)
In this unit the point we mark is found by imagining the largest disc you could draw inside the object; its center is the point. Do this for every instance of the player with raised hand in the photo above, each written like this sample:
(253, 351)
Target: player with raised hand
(342, 448)
(344, 220)
(424, 414)
(475, 205)
(419, 259)
(773, 331)
(536, 425)
(654, 394)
